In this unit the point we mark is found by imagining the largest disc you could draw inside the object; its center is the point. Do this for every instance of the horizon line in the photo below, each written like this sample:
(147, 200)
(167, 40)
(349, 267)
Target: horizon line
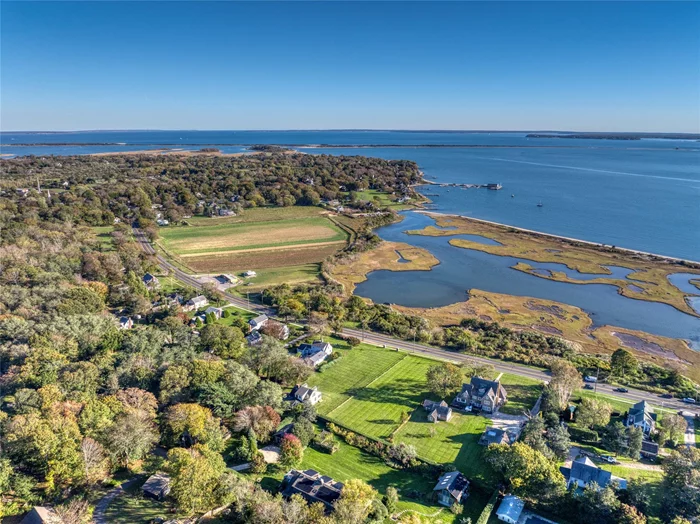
(145, 130)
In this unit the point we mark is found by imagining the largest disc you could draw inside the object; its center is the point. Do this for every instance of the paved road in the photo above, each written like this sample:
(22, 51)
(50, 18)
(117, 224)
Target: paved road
(634, 395)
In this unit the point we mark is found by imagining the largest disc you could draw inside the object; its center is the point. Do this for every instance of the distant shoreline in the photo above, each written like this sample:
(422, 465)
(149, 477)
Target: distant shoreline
(161, 147)
(560, 237)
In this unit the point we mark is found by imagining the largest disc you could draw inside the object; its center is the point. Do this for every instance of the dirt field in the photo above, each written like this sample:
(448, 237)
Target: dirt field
(226, 237)
(241, 261)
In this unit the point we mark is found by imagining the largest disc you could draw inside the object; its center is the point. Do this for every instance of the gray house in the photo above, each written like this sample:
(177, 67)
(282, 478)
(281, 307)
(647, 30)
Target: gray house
(487, 395)
(494, 436)
(437, 410)
(642, 416)
(451, 487)
(583, 472)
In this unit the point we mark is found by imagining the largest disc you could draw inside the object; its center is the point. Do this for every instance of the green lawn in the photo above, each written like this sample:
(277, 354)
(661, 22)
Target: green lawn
(522, 393)
(376, 409)
(620, 405)
(353, 463)
(369, 388)
(205, 238)
(454, 442)
(260, 214)
(268, 277)
(355, 369)
(132, 507)
(104, 236)
(381, 198)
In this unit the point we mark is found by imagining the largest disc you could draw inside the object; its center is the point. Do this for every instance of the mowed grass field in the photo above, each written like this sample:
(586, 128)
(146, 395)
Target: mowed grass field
(261, 238)
(369, 388)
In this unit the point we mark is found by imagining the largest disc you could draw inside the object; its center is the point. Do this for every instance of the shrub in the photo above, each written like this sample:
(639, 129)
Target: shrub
(583, 434)
(488, 509)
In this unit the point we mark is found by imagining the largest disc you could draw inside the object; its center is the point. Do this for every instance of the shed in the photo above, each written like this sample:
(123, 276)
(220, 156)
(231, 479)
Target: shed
(510, 509)
(157, 486)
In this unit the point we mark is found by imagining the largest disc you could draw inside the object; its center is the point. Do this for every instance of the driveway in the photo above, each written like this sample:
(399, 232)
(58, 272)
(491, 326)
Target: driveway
(101, 505)
(512, 424)
(690, 431)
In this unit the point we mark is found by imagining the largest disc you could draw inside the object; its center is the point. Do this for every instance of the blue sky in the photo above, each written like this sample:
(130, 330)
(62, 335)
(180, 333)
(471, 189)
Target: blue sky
(628, 66)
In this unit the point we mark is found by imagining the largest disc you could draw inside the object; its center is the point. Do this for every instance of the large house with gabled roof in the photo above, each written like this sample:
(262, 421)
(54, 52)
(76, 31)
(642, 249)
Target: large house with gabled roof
(451, 487)
(486, 395)
(583, 472)
(313, 486)
(642, 416)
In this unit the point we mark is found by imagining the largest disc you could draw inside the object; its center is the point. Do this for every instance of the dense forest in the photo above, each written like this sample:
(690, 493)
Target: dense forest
(83, 399)
(94, 190)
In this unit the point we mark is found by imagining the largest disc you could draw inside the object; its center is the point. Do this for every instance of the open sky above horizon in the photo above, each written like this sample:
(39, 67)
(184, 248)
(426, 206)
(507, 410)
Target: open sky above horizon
(627, 66)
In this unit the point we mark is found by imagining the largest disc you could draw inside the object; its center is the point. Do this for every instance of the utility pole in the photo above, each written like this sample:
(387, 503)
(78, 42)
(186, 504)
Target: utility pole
(597, 373)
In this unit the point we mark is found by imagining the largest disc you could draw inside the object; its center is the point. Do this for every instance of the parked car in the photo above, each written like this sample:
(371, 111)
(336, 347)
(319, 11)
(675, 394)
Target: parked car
(666, 395)
(608, 458)
(621, 390)
(689, 400)
(587, 386)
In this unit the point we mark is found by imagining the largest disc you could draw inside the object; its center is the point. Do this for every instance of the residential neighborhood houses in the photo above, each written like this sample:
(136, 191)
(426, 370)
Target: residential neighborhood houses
(486, 395)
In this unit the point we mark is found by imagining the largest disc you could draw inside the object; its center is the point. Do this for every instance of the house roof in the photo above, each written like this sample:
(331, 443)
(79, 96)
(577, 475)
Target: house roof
(650, 447)
(481, 387)
(439, 410)
(254, 337)
(301, 392)
(494, 436)
(316, 358)
(511, 507)
(156, 484)
(585, 470)
(454, 482)
(199, 300)
(149, 278)
(642, 411)
(258, 320)
(313, 486)
(41, 515)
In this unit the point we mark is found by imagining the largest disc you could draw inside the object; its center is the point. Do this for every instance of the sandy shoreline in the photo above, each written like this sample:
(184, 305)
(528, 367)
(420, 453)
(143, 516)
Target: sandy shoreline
(560, 237)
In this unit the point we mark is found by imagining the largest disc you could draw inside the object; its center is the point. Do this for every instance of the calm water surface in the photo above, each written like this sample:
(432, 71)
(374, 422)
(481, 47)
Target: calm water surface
(463, 269)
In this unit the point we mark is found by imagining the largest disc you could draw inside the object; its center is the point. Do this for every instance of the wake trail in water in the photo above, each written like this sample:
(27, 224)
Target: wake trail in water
(640, 175)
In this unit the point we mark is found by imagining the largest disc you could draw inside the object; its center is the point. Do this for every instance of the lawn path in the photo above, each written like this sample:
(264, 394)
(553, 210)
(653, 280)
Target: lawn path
(368, 385)
(101, 505)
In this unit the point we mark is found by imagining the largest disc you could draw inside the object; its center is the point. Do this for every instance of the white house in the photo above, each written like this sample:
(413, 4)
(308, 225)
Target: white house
(642, 416)
(250, 274)
(217, 311)
(303, 393)
(258, 322)
(125, 323)
(196, 303)
(510, 509)
(316, 353)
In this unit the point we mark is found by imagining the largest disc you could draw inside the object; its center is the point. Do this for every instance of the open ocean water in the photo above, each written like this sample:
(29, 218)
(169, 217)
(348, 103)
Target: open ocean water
(640, 194)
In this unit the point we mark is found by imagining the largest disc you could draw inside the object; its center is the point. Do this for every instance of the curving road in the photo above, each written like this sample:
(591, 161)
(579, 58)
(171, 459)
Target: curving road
(634, 395)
